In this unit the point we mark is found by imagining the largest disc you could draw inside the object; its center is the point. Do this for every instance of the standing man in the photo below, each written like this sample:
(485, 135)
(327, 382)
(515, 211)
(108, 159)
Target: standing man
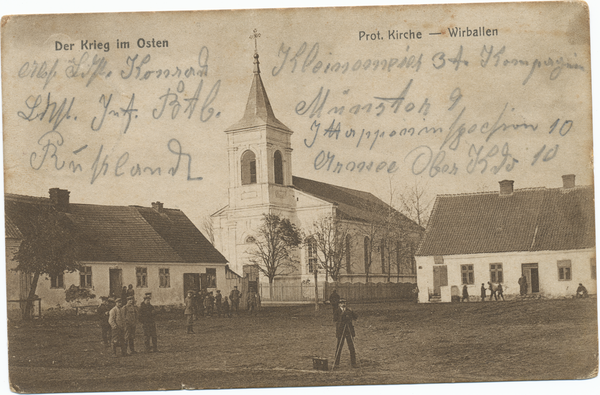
(482, 292)
(334, 299)
(523, 285)
(218, 302)
(148, 324)
(235, 296)
(130, 313)
(189, 311)
(344, 330)
(116, 320)
(500, 292)
(465, 296)
(103, 313)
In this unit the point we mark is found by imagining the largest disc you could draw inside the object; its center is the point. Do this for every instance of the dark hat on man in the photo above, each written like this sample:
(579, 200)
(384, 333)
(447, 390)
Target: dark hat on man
(103, 298)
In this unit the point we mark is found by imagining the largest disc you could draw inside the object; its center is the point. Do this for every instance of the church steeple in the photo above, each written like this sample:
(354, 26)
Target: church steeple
(258, 107)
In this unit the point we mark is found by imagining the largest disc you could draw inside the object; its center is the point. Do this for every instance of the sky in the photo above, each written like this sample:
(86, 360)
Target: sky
(484, 94)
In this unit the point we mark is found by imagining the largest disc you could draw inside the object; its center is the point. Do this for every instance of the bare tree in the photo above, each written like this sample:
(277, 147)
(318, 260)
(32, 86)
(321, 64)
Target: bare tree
(416, 203)
(273, 247)
(329, 235)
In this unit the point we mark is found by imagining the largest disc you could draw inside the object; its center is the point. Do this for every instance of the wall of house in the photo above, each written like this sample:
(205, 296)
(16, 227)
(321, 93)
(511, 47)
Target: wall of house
(172, 295)
(549, 283)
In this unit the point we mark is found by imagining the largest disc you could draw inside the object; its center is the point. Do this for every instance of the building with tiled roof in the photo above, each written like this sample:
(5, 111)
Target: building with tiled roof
(156, 249)
(261, 182)
(545, 235)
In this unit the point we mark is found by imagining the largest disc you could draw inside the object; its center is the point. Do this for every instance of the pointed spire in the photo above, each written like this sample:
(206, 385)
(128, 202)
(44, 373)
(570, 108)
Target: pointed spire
(258, 108)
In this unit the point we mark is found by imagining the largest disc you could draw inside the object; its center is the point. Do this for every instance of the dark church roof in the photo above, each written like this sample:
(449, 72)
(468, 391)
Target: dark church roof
(353, 204)
(122, 233)
(537, 219)
(258, 108)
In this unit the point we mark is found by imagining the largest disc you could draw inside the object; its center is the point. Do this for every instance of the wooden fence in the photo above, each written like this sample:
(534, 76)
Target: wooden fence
(374, 292)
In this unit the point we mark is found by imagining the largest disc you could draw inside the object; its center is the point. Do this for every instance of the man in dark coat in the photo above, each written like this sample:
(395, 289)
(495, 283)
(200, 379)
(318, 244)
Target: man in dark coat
(146, 317)
(344, 330)
(334, 299)
(218, 303)
(103, 312)
(523, 285)
(482, 292)
(234, 297)
(465, 292)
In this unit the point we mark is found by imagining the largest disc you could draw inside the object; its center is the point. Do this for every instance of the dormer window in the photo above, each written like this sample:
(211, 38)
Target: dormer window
(278, 166)
(248, 168)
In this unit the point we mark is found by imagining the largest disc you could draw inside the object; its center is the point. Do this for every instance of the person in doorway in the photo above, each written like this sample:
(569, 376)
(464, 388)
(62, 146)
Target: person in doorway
(235, 297)
(581, 291)
(500, 291)
(344, 331)
(189, 311)
(482, 292)
(103, 312)
(522, 285)
(334, 299)
(148, 324)
(131, 315)
(465, 294)
(116, 320)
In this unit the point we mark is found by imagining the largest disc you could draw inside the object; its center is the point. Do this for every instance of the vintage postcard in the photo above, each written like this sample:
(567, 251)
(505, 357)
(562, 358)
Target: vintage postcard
(299, 197)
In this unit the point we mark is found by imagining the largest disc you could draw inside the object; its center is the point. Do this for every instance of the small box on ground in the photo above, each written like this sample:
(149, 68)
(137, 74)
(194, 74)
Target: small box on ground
(320, 364)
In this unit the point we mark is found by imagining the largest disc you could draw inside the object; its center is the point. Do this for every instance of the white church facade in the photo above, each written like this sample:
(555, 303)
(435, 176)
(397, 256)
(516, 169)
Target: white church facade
(261, 182)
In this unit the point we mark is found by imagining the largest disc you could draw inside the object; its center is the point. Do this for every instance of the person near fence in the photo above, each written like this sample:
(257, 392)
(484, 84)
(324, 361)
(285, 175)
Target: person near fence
(226, 311)
(116, 319)
(103, 312)
(334, 299)
(235, 297)
(189, 311)
(148, 324)
(218, 303)
(344, 331)
(130, 313)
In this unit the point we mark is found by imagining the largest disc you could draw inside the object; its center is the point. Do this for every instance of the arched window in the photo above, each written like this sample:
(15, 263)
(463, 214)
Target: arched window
(278, 166)
(348, 252)
(311, 254)
(248, 168)
(367, 248)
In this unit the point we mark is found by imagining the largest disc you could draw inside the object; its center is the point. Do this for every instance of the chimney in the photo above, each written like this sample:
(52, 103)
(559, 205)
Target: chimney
(158, 206)
(506, 187)
(568, 180)
(60, 199)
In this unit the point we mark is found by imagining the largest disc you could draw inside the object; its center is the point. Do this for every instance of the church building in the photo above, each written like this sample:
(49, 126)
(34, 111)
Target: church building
(261, 182)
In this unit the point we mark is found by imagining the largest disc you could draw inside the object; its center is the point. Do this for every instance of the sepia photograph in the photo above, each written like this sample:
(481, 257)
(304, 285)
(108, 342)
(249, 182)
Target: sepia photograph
(299, 197)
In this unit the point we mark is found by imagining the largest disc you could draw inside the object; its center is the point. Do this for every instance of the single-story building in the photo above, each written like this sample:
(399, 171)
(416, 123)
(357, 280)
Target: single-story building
(156, 249)
(546, 235)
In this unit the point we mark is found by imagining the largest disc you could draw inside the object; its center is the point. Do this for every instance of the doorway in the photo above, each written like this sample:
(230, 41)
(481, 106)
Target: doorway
(530, 271)
(440, 278)
(191, 281)
(115, 279)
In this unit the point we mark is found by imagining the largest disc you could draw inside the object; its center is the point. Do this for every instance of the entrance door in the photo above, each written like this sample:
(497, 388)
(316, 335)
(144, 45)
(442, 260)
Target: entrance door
(191, 281)
(440, 278)
(530, 271)
(115, 279)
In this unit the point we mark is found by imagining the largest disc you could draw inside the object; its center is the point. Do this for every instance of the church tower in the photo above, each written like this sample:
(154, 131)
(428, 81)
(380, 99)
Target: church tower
(260, 157)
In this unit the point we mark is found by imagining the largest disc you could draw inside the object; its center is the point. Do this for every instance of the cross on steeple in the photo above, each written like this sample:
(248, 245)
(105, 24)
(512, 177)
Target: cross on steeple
(254, 36)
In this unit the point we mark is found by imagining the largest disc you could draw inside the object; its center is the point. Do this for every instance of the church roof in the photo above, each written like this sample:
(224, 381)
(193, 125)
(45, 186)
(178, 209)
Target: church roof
(352, 204)
(121, 233)
(535, 219)
(258, 108)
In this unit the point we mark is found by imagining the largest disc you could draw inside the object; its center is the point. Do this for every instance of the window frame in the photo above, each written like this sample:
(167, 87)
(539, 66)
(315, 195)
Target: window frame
(85, 277)
(164, 277)
(497, 273)
(248, 168)
(211, 277)
(278, 168)
(141, 277)
(467, 274)
(311, 255)
(348, 254)
(565, 271)
(57, 281)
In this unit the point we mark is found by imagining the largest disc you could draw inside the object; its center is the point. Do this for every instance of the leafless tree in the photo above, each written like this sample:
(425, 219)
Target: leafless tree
(329, 235)
(415, 202)
(273, 247)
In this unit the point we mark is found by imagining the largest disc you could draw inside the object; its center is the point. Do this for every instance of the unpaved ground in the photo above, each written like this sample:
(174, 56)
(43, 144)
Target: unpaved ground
(396, 343)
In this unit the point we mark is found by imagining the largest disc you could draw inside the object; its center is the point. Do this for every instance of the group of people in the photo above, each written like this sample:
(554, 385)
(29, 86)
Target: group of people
(118, 323)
